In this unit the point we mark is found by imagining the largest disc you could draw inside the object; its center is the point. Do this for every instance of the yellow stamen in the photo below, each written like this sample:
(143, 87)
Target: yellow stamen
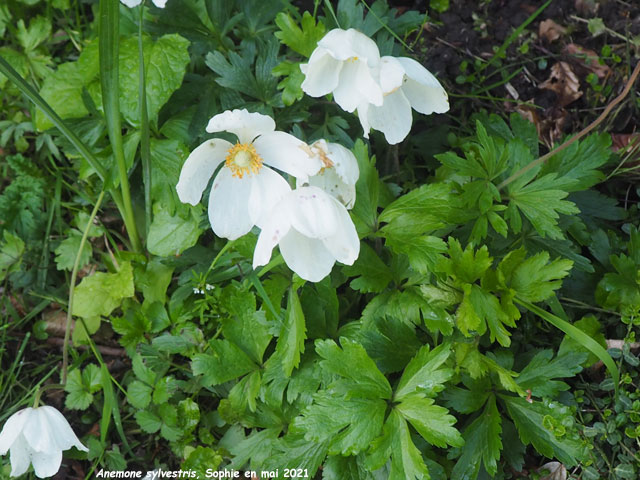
(243, 159)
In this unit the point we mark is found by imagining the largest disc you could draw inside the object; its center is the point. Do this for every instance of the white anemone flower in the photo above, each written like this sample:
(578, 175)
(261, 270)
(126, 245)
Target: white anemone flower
(405, 84)
(245, 189)
(314, 231)
(339, 172)
(342, 64)
(37, 436)
(135, 3)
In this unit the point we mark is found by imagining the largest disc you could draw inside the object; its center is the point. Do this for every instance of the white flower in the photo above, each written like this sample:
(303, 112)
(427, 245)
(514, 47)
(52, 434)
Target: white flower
(135, 3)
(405, 84)
(339, 173)
(342, 64)
(313, 230)
(38, 436)
(245, 189)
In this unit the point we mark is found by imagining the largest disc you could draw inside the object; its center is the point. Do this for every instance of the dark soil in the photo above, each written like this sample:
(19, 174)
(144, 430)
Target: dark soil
(470, 32)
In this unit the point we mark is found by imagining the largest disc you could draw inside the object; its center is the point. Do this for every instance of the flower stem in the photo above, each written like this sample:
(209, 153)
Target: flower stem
(109, 82)
(145, 150)
(74, 274)
(48, 386)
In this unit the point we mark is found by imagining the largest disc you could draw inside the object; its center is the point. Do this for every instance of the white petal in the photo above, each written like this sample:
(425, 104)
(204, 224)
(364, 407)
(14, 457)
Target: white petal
(160, 3)
(46, 464)
(312, 212)
(19, 456)
(344, 161)
(391, 74)
(356, 84)
(246, 126)
(288, 154)
(329, 181)
(308, 257)
(424, 92)
(277, 226)
(393, 118)
(344, 245)
(229, 205)
(321, 73)
(198, 168)
(13, 428)
(64, 434)
(345, 44)
(269, 188)
(39, 433)
(131, 3)
(363, 116)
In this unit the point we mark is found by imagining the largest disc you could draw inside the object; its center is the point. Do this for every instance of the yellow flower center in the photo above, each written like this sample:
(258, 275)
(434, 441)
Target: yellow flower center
(243, 159)
(352, 59)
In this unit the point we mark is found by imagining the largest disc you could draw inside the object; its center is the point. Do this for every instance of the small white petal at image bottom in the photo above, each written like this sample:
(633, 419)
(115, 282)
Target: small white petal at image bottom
(314, 231)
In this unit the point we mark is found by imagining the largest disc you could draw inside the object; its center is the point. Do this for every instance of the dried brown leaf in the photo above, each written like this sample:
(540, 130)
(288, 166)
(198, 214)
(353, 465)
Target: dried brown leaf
(587, 7)
(588, 59)
(557, 471)
(564, 83)
(550, 30)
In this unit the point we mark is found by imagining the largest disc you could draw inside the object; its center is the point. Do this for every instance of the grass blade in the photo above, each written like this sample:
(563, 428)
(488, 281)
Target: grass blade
(145, 150)
(579, 336)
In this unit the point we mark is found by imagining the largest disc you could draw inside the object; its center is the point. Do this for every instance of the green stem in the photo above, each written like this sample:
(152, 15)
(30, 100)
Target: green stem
(48, 386)
(74, 274)
(109, 81)
(145, 149)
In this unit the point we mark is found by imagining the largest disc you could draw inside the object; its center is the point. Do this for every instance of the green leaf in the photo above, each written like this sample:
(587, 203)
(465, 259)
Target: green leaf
(165, 62)
(80, 387)
(101, 293)
(431, 421)
(39, 30)
(465, 265)
(294, 451)
(62, 90)
(68, 249)
(538, 376)
(245, 326)
(302, 40)
(576, 166)
(154, 280)
(148, 421)
(482, 443)
(423, 210)
(373, 275)
(423, 252)
(133, 328)
(529, 420)
(396, 443)
(224, 362)
(139, 394)
(291, 341)
(534, 279)
(541, 201)
(291, 85)
(348, 425)
(172, 234)
(202, 460)
(424, 373)
(365, 210)
(11, 251)
(352, 362)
